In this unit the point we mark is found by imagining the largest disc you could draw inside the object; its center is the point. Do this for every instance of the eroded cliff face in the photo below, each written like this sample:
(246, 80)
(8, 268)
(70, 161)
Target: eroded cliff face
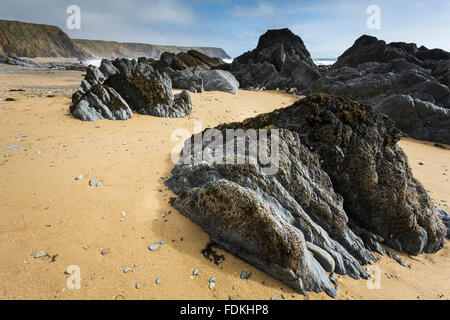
(36, 40)
(111, 49)
(342, 188)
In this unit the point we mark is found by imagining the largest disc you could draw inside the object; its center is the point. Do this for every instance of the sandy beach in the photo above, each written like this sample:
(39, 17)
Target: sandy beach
(43, 207)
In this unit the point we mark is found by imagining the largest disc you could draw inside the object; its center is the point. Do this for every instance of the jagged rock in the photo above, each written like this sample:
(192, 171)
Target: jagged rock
(338, 160)
(274, 46)
(12, 60)
(210, 62)
(123, 85)
(418, 119)
(96, 101)
(280, 60)
(219, 80)
(445, 217)
(370, 49)
(185, 79)
(258, 75)
(183, 61)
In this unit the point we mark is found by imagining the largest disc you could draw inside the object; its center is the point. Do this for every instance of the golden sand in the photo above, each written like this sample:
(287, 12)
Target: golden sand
(43, 207)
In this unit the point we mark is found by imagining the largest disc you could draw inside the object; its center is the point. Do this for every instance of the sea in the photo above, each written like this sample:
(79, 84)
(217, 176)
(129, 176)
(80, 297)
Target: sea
(324, 61)
(317, 61)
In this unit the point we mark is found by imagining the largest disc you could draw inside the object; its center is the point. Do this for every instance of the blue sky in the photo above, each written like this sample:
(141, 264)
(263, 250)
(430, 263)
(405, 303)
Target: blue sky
(326, 27)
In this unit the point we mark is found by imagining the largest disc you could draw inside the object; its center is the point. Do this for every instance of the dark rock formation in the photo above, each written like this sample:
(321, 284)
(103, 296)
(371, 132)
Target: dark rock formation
(445, 217)
(123, 85)
(280, 60)
(374, 71)
(193, 71)
(13, 60)
(183, 61)
(419, 119)
(342, 184)
(370, 49)
(185, 79)
(218, 80)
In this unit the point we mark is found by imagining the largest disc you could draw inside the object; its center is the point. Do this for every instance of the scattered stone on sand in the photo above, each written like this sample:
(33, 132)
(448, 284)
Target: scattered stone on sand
(79, 177)
(158, 281)
(153, 246)
(41, 254)
(195, 273)
(93, 182)
(138, 286)
(243, 275)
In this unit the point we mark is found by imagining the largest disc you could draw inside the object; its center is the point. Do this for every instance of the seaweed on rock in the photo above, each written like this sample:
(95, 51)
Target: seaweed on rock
(342, 187)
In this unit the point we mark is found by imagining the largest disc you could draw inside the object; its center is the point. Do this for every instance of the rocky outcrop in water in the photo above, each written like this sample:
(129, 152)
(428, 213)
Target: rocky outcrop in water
(342, 186)
(122, 85)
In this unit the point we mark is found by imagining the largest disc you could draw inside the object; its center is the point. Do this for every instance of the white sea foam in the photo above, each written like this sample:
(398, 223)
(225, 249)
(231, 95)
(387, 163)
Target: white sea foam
(94, 62)
(324, 61)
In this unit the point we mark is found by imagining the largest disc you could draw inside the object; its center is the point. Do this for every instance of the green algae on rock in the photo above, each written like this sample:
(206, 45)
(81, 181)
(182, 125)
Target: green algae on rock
(343, 185)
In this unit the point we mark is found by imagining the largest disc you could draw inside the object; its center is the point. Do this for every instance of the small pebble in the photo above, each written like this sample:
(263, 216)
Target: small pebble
(275, 297)
(243, 275)
(212, 285)
(213, 279)
(153, 246)
(138, 286)
(126, 270)
(79, 177)
(40, 255)
(158, 281)
(195, 273)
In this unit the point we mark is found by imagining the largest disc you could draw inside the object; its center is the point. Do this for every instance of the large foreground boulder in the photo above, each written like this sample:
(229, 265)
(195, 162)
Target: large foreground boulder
(341, 185)
(122, 85)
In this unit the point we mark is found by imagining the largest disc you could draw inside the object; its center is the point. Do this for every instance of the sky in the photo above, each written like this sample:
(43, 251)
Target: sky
(328, 28)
